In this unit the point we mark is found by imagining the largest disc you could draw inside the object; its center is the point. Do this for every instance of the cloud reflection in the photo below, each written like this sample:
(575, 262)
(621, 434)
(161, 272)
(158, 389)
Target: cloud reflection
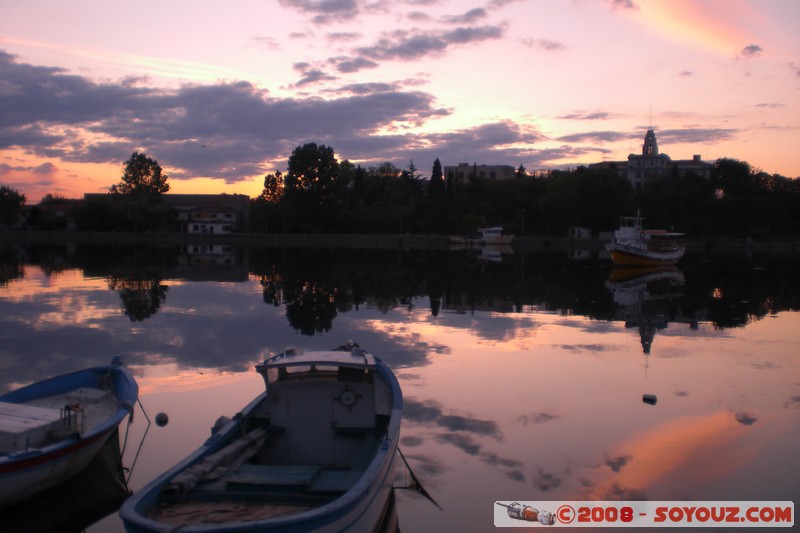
(679, 457)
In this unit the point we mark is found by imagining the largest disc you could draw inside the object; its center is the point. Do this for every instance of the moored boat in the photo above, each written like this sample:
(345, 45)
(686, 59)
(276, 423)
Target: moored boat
(51, 430)
(495, 235)
(633, 245)
(315, 452)
(485, 236)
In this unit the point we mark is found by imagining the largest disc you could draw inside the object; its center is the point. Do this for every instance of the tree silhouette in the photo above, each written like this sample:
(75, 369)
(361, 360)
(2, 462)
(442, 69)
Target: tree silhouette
(11, 203)
(142, 176)
(312, 168)
(437, 180)
(141, 298)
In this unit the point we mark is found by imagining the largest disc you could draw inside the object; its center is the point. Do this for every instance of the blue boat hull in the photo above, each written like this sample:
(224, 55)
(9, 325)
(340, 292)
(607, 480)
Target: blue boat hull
(27, 473)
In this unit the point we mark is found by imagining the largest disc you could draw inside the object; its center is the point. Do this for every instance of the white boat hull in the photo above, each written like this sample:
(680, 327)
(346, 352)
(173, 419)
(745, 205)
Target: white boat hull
(42, 472)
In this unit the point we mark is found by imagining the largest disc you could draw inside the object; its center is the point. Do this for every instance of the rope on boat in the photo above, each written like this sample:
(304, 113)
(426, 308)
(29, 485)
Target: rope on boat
(125, 442)
(415, 484)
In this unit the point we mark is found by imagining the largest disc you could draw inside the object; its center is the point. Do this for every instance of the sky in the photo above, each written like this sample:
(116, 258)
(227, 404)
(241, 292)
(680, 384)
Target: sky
(221, 93)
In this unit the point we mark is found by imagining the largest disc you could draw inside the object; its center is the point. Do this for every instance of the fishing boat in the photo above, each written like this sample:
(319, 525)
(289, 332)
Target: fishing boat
(315, 452)
(484, 236)
(633, 245)
(51, 430)
(495, 235)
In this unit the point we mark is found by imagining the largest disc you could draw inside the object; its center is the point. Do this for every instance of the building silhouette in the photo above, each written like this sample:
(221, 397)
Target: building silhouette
(652, 165)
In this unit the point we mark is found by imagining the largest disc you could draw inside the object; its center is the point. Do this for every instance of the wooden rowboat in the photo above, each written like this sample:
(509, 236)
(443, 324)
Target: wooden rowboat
(315, 452)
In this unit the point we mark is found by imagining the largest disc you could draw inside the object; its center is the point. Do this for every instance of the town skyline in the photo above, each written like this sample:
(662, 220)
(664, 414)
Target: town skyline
(221, 97)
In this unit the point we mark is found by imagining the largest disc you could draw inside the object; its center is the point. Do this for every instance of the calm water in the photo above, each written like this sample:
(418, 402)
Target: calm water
(523, 378)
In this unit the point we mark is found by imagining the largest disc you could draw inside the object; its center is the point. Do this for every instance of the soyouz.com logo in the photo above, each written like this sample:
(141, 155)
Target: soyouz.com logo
(644, 514)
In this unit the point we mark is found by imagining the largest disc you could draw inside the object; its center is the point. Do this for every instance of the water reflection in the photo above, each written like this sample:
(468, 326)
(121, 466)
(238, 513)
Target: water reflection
(646, 298)
(316, 286)
(525, 374)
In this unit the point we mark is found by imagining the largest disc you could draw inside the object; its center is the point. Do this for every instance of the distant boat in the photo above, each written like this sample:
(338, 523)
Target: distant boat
(495, 235)
(51, 430)
(484, 236)
(315, 452)
(632, 245)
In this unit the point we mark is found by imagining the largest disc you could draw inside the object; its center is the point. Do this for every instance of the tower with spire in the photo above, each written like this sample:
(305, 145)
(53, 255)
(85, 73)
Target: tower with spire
(650, 164)
(650, 146)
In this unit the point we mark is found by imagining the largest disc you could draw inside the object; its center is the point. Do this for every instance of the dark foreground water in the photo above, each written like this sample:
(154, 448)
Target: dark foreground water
(523, 374)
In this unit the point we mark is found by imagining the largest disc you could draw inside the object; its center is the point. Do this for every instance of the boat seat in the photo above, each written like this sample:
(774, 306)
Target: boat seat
(335, 480)
(274, 475)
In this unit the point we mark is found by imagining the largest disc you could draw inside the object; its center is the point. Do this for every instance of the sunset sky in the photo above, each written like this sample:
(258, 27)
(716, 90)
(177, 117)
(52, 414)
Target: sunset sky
(220, 93)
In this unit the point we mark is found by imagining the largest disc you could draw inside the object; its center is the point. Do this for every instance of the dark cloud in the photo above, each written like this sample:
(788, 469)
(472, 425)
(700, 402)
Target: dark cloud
(746, 419)
(667, 136)
(461, 432)
(430, 413)
(545, 481)
(238, 124)
(536, 418)
(616, 463)
(467, 443)
(28, 135)
(544, 44)
(792, 403)
(45, 168)
(469, 17)
(343, 36)
(408, 46)
(696, 135)
(463, 442)
(410, 442)
(314, 75)
(325, 11)
(623, 4)
(368, 88)
(347, 65)
(230, 131)
(751, 50)
(584, 347)
(582, 115)
(597, 137)
(418, 16)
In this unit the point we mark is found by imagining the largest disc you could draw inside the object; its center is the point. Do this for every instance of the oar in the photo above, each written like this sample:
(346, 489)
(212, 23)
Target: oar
(415, 482)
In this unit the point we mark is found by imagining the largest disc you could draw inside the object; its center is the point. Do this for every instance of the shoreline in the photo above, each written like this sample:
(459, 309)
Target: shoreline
(367, 241)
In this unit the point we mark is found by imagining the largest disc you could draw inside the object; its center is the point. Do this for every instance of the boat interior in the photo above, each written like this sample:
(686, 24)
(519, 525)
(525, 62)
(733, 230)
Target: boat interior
(42, 421)
(307, 442)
